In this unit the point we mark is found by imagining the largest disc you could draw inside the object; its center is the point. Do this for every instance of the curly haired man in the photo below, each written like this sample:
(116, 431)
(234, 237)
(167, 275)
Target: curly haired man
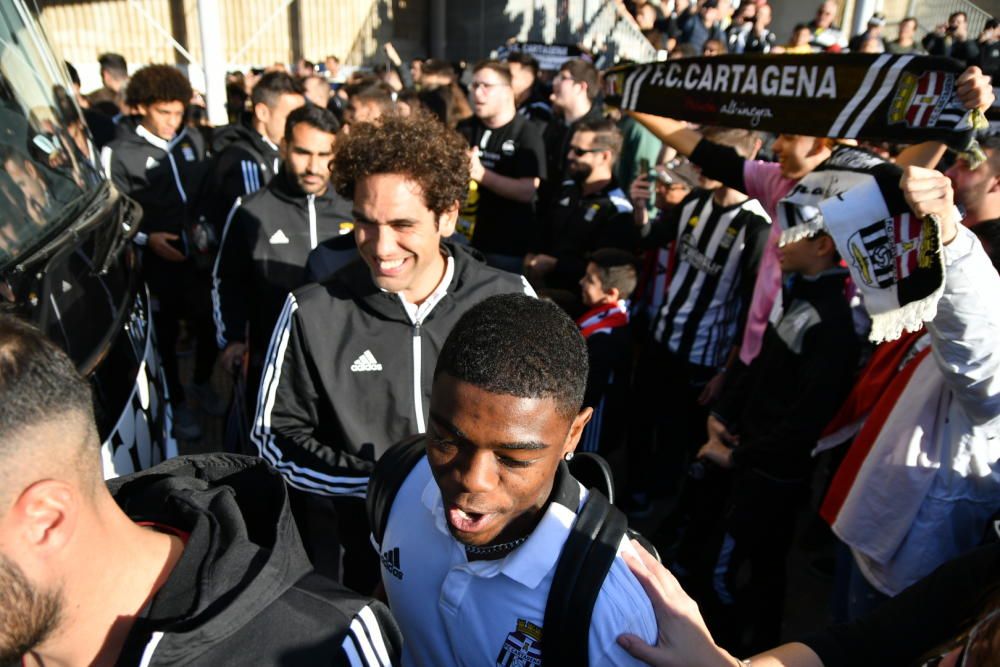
(158, 163)
(348, 371)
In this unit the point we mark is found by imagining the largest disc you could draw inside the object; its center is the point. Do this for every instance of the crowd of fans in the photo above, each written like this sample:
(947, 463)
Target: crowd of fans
(713, 27)
(323, 246)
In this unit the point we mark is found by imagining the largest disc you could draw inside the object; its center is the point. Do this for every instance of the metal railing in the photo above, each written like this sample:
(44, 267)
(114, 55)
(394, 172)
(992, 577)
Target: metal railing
(605, 25)
(932, 13)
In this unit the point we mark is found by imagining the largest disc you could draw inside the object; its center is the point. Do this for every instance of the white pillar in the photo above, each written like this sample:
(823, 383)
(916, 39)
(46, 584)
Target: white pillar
(212, 61)
(863, 10)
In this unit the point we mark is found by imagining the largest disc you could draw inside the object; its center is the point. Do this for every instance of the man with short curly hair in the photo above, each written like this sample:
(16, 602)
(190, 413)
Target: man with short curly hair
(160, 165)
(348, 371)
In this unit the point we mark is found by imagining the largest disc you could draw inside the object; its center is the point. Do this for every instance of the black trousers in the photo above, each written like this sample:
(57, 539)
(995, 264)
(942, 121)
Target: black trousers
(337, 538)
(181, 292)
(745, 597)
(668, 423)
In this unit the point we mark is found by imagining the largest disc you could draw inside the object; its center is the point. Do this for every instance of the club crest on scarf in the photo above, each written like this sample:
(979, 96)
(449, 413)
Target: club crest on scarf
(894, 258)
(926, 100)
(890, 250)
(523, 647)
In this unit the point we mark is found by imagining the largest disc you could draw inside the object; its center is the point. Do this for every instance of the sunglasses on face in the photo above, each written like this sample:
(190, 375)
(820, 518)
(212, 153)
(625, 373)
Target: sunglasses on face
(580, 152)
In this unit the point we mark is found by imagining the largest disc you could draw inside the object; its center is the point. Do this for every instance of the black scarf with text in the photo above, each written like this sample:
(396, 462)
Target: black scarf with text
(899, 98)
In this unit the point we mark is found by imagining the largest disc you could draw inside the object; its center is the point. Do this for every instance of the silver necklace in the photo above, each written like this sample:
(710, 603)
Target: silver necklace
(495, 548)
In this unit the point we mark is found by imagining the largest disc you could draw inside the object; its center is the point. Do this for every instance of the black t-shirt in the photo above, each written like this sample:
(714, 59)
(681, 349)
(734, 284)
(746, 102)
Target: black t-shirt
(516, 150)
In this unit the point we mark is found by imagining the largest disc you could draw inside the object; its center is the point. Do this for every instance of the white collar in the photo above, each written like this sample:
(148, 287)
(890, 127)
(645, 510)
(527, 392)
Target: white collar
(268, 142)
(417, 313)
(159, 142)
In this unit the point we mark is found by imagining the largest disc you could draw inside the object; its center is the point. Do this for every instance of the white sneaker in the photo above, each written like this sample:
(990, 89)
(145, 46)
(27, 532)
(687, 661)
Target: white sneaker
(186, 426)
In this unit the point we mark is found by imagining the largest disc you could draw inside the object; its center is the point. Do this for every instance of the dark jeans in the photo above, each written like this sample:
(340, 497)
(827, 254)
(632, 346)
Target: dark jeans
(669, 425)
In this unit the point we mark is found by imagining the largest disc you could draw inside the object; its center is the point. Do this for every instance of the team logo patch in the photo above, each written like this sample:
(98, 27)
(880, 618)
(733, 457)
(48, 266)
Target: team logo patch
(523, 647)
(152, 163)
(919, 100)
(188, 153)
(887, 251)
(507, 148)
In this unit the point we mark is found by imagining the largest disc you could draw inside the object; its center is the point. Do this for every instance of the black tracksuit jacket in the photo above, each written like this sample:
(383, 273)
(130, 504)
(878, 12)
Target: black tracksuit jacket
(577, 224)
(262, 257)
(242, 163)
(165, 178)
(780, 404)
(243, 591)
(348, 374)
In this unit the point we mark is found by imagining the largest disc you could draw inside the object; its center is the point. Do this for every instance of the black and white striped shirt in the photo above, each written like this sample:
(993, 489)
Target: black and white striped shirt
(716, 254)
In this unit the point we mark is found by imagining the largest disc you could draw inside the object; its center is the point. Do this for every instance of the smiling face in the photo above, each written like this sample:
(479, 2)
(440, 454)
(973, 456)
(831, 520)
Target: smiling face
(398, 237)
(308, 157)
(797, 154)
(494, 458)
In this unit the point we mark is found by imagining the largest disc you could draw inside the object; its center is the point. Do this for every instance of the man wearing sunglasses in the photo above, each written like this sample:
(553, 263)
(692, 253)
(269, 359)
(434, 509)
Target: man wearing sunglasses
(589, 211)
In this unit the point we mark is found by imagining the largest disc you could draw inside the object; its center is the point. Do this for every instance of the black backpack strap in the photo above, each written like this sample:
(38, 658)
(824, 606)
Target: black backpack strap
(583, 565)
(389, 474)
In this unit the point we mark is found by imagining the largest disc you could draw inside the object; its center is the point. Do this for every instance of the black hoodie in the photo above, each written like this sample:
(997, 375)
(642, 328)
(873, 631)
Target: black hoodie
(348, 374)
(243, 592)
(243, 161)
(262, 256)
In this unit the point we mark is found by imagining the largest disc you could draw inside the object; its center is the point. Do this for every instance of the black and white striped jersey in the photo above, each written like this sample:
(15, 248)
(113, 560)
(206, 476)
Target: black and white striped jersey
(717, 252)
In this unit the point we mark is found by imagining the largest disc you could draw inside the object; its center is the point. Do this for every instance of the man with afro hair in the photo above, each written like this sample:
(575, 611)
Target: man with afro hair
(348, 370)
(159, 164)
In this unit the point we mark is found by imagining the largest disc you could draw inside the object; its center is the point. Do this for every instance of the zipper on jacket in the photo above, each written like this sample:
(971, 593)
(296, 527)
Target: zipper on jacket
(312, 221)
(177, 176)
(418, 392)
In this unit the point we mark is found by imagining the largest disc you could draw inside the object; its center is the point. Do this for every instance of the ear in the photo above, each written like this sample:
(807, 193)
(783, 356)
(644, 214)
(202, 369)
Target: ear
(447, 221)
(142, 109)
(825, 246)
(995, 185)
(576, 430)
(614, 294)
(818, 146)
(283, 149)
(46, 514)
(261, 112)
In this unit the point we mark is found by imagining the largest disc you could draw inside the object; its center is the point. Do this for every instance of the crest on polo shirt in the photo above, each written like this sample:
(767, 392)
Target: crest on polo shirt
(523, 647)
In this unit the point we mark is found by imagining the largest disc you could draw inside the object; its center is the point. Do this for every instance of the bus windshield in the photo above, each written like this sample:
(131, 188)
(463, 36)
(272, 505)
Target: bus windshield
(48, 163)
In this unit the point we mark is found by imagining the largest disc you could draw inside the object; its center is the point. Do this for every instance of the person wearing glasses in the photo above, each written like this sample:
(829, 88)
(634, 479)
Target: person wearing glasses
(574, 100)
(590, 211)
(507, 158)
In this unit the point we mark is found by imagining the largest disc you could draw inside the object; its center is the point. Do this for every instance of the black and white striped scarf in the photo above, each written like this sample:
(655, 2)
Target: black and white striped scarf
(900, 98)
